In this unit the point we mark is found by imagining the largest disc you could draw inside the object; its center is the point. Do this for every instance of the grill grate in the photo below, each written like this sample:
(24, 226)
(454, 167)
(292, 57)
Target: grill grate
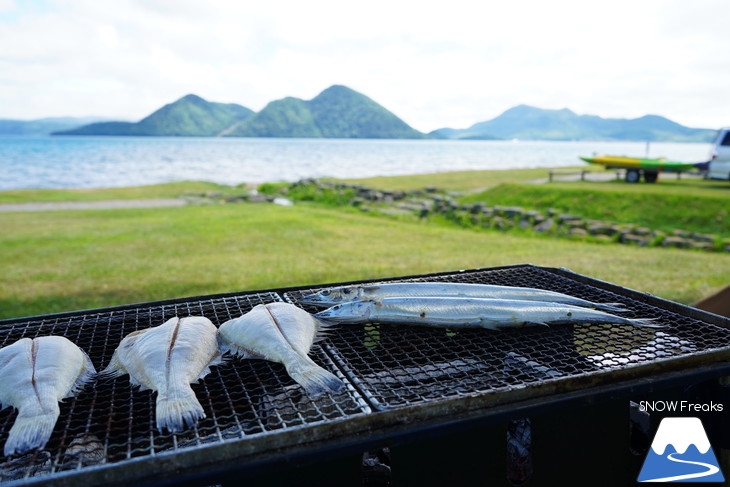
(112, 422)
(386, 367)
(398, 365)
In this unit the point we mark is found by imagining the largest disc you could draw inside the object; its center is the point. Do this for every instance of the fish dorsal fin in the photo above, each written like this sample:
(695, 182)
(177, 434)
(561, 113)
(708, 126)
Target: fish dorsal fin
(8, 353)
(86, 376)
(116, 367)
(226, 347)
(217, 359)
(243, 353)
(130, 339)
(530, 323)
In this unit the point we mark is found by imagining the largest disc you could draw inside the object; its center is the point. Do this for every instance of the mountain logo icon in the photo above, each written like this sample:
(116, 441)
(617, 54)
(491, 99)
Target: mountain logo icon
(681, 452)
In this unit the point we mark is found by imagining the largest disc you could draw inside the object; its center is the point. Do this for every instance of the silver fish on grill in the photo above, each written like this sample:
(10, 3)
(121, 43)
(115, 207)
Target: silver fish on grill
(167, 359)
(468, 312)
(34, 376)
(283, 333)
(376, 292)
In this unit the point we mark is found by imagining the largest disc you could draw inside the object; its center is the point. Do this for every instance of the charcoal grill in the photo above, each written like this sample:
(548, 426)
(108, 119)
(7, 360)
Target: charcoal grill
(402, 382)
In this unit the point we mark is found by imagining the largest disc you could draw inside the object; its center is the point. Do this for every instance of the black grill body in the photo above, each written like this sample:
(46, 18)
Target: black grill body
(530, 397)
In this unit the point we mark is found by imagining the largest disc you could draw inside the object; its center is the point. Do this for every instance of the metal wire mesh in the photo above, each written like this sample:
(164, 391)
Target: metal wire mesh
(383, 366)
(111, 421)
(398, 365)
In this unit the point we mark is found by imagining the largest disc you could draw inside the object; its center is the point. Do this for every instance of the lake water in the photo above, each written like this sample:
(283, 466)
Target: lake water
(96, 162)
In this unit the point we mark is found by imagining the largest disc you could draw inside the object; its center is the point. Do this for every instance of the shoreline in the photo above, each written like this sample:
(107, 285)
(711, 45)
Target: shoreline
(40, 163)
(182, 193)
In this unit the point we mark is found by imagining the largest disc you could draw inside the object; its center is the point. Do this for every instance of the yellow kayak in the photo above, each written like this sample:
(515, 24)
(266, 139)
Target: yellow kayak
(635, 162)
(636, 166)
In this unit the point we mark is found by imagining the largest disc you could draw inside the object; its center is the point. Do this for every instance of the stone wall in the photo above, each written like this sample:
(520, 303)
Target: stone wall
(430, 201)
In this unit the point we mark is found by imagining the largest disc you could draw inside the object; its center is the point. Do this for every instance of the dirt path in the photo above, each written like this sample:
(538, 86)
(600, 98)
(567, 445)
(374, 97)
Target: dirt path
(92, 205)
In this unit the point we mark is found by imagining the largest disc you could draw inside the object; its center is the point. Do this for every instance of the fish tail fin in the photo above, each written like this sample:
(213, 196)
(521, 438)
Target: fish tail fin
(611, 307)
(31, 430)
(177, 411)
(323, 329)
(646, 322)
(313, 378)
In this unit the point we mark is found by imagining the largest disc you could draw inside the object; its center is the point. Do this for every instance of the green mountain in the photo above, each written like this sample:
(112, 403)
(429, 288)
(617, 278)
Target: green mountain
(288, 117)
(191, 115)
(340, 112)
(337, 112)
(531, 123)
(43, 126)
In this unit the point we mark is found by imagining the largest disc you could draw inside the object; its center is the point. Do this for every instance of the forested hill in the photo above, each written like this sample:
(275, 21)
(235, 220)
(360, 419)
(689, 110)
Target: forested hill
(337, 112)
(191, 115)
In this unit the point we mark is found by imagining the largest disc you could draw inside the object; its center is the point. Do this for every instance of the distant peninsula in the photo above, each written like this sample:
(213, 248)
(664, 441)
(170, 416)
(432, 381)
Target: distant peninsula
(340, 112)
(525, 122)
(43, 126)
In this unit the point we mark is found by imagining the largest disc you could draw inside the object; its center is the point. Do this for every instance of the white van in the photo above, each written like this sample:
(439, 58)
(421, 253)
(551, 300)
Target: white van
(720, 156)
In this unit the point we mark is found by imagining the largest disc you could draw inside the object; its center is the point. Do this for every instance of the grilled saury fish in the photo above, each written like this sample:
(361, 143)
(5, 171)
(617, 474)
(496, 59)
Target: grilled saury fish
(377, 292)
(34, 375)
(282, 333)
(167, 359)
(468, 312)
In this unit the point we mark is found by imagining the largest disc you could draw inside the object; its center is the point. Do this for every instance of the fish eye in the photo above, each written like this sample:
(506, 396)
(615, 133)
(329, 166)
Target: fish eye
(326, 293)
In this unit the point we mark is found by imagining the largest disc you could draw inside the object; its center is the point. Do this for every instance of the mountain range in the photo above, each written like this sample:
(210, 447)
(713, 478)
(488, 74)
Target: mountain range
(337, 112)
(531, 123)
(340, 112)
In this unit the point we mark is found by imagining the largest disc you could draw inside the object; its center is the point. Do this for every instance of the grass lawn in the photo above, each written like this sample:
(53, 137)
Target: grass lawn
(458, 180)
(70, 260)
(470, 181)
(684, 206)
(462, 181)
(167, 190)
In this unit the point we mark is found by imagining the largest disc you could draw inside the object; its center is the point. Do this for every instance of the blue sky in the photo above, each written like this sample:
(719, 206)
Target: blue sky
(434, 64)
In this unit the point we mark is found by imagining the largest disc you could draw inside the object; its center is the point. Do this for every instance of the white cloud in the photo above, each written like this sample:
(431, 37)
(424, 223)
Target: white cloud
(432, 63)
(7, 6)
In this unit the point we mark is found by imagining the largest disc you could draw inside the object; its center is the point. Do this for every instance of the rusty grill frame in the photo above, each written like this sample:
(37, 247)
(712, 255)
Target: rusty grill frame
(399, 379)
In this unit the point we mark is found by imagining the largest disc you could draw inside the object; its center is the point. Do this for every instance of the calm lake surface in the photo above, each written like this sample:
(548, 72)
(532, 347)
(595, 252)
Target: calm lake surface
(97, 162)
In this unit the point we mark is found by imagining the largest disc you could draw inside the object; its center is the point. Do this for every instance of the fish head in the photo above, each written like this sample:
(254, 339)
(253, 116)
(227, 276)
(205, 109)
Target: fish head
(352, 312)
(336, 295)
